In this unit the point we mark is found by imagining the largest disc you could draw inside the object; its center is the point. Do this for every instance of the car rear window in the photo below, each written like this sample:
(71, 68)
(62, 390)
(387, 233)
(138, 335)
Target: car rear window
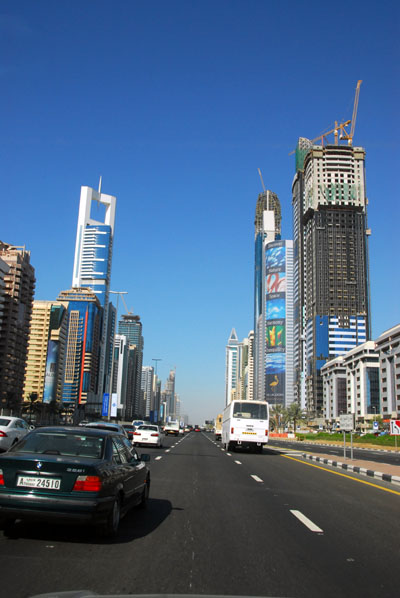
(148, 428)
(4, 421)
(57, 443)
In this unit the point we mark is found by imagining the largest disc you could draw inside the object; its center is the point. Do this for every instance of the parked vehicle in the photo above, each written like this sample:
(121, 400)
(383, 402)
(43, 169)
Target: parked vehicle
(12, 429)
(72, 474)
(245, 424)
(172, 428)
(148, 434)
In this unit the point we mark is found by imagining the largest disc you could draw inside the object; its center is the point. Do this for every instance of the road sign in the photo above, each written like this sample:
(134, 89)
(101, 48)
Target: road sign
(395, 427)
(347, 422)
(375, 425)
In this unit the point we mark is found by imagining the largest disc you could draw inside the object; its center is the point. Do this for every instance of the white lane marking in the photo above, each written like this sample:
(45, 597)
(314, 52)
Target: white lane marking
(256, 478)
(229, 454)
(307, 522)
(157, 458)
(167, 451)
(238, 462)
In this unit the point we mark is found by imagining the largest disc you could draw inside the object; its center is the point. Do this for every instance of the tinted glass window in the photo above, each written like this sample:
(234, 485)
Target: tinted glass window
(116, 454)
(124, 450)
(58, 443)
(250, 411)
(4, 421)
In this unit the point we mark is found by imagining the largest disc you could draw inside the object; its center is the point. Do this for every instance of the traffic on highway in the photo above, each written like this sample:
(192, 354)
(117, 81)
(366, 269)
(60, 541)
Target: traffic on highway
(220, 522)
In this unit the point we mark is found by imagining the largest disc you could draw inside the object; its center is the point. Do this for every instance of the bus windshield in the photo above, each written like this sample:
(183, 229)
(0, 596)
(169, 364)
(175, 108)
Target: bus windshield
(250, 410)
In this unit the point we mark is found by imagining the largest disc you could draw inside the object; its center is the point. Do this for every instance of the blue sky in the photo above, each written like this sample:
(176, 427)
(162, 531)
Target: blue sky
(176, 104)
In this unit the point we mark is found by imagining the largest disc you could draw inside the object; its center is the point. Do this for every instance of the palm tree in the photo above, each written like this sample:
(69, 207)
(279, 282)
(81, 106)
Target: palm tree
(278, 415)
(295, 413)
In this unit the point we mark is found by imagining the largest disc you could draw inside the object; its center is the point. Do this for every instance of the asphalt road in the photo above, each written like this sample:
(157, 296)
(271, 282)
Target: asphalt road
(392, 458)
(224, 524)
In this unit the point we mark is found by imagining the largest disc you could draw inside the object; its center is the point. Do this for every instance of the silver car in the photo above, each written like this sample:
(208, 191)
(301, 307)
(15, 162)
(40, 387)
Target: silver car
(12, 429)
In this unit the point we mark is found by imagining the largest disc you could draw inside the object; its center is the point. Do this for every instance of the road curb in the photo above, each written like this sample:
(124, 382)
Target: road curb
(386, 477)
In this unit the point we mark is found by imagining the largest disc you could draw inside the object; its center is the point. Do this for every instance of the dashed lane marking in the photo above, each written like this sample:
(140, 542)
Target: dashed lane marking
(256, 478)
(238, 462)
(305, 521)
(157, 458)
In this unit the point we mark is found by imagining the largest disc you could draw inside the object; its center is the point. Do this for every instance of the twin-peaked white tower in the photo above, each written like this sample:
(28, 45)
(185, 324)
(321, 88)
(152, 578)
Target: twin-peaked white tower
(93, 258)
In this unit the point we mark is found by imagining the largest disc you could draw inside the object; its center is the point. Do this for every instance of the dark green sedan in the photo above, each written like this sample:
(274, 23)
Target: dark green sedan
(72, 474)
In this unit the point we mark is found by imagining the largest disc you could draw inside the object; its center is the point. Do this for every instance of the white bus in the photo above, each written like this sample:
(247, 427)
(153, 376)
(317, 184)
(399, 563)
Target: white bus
(245, 424)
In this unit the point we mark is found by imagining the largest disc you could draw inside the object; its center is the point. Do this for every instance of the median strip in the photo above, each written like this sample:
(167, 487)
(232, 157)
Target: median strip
(307, 522)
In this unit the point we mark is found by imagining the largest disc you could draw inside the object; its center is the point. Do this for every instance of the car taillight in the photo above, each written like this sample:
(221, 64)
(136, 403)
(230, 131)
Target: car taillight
(136, 433)
(266, 432)
(1, 478)
(3, 435)
(154, 434)
(87, 483)
(231, 430)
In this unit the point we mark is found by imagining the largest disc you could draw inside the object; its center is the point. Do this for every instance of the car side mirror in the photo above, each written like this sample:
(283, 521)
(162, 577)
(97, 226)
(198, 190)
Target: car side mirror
(144, 457)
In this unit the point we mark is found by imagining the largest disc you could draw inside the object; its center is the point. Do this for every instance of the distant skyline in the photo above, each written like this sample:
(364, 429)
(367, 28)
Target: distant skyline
(177, 105)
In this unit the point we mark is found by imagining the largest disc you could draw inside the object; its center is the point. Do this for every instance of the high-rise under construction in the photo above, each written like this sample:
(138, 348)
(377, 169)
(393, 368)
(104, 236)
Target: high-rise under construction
(331, 286)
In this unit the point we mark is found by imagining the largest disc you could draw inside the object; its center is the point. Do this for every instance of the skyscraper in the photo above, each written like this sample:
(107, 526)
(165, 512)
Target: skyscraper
(46, 351)
(17, 289)
(273, 305)
(231, 367)
(81, 373)
(131, 326)
(331, 286)
(93, 257)
(147, 389)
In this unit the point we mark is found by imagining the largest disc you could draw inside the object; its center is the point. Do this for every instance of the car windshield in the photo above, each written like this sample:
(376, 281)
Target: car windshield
(148, 428)
(250, 411)
(65, 444)
(4, 421)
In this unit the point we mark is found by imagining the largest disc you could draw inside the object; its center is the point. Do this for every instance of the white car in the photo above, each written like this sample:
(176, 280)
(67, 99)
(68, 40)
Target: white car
(148, 434)
(12, 429)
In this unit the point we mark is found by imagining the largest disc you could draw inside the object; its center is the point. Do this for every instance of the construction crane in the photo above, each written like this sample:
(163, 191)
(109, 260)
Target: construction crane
(129, 313)
(262, 182)
(339, 129)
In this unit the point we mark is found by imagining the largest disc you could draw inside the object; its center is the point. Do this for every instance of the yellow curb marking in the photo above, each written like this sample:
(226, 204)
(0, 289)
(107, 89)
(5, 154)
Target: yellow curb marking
(343, 475)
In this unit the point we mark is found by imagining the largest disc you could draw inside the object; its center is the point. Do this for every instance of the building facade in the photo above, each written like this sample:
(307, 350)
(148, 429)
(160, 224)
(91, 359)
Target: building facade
(388, 348)
(331, 278)
(147, 385)
(46, 351)
(131, 327)
(17, 290)
(81, 373)
(232, 367)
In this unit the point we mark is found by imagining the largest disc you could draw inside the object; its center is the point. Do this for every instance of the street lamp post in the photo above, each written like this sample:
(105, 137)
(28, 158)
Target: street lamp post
(118, 293)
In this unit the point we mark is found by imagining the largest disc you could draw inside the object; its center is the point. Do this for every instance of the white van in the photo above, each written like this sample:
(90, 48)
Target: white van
(171, 427)
(245, 424)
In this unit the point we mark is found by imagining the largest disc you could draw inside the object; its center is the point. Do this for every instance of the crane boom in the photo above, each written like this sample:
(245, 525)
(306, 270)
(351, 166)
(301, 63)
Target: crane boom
(262, 182)
(342, 126)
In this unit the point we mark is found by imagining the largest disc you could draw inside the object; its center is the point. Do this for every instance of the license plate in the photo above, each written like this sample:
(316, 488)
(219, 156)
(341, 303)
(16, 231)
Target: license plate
(36, 482)
(145, 439)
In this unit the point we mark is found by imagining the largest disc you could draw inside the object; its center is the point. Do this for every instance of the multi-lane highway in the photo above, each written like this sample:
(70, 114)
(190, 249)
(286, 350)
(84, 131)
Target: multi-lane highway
(224, 524)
